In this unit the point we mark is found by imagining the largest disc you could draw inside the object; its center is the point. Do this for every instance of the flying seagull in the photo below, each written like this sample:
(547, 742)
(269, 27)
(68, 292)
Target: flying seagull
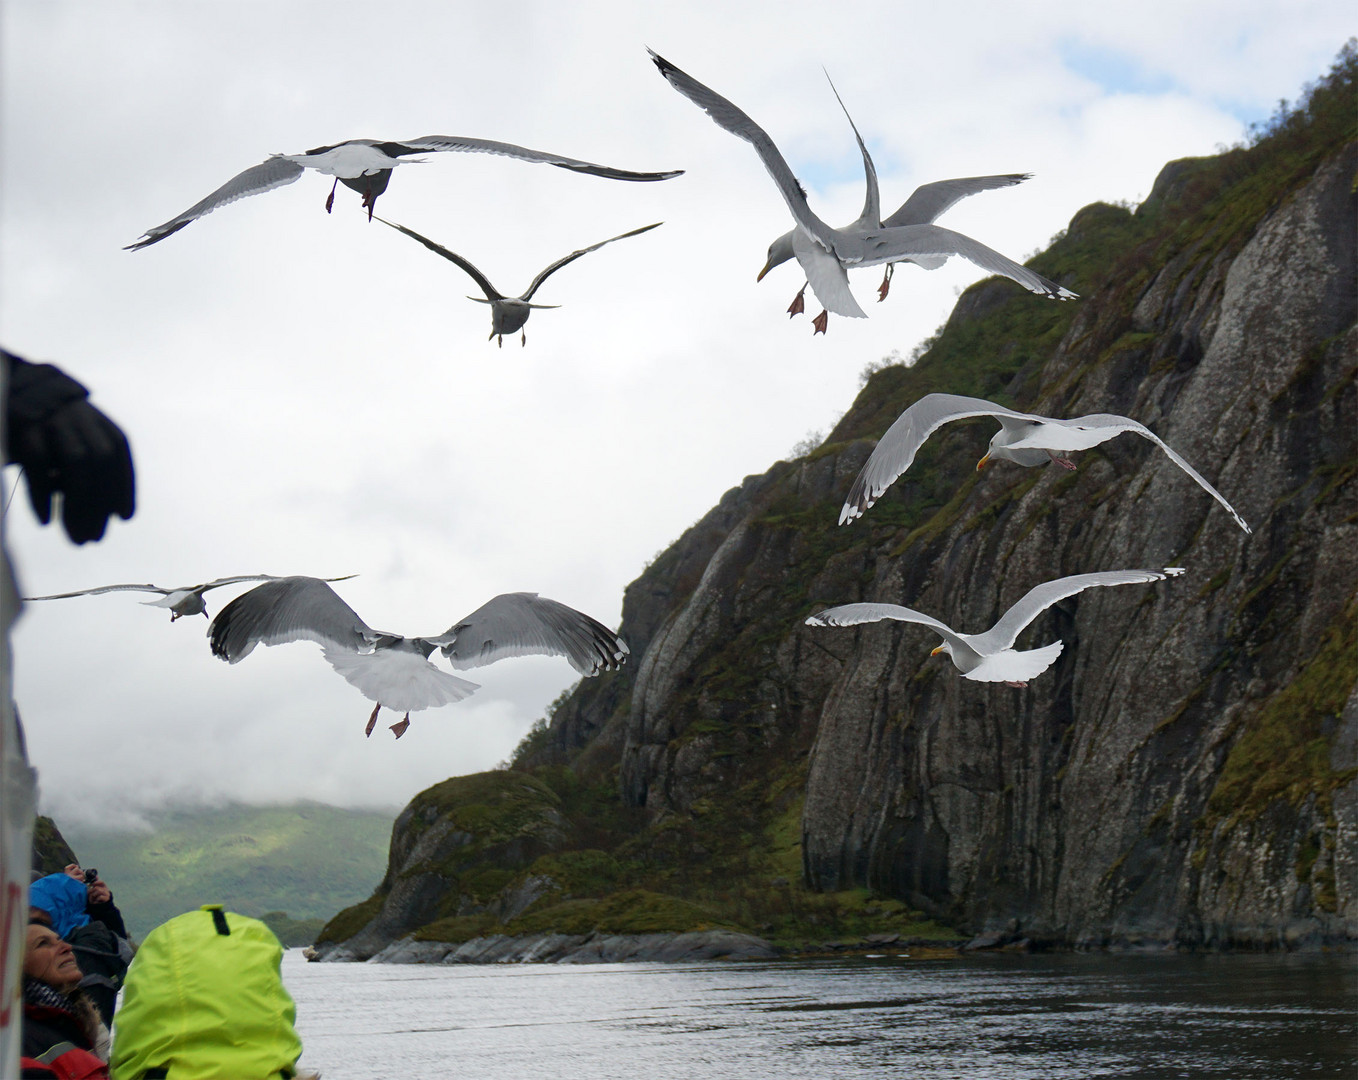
(507, 313)
(991, 656)
(394, 670)
(365, 165)
(827, 254)
(924, 207)
(185, 600)
(1023, 438)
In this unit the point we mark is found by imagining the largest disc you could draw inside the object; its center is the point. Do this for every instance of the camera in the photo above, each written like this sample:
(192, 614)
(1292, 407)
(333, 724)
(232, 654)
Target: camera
(91, 876)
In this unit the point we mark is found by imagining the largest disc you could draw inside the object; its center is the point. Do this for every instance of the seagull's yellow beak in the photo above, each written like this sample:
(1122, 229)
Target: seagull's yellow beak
(937, 651)
(982, 463)
(767, 268)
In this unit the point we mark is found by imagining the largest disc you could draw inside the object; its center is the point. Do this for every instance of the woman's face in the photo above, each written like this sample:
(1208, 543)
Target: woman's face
(50, 960)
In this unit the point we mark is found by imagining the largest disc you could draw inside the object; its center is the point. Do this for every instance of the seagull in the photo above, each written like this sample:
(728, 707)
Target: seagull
(827, 254)
(991, 656)
(1024, 438)
(185, 600)
(365, 165)
(924, 207)
(508, 314)
(394, 670)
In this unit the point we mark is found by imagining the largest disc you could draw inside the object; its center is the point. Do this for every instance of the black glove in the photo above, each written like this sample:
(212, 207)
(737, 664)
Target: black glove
(66, 445)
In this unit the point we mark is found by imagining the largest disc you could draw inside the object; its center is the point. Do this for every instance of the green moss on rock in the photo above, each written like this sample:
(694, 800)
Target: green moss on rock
(352, 919)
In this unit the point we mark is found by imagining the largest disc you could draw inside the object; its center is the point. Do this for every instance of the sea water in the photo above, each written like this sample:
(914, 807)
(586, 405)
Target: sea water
(1044, 1017)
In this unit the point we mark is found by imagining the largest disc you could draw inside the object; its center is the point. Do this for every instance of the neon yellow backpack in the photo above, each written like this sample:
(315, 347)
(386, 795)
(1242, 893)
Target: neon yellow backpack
(203, 1000)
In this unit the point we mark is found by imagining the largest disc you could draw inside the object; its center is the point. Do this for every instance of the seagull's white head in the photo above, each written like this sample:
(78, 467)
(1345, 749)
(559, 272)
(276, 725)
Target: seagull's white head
(779, 252)
(946, 647)
(997, 449)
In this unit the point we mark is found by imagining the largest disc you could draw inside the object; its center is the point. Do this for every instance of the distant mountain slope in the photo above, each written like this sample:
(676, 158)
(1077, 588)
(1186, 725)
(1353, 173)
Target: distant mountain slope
(308, 860)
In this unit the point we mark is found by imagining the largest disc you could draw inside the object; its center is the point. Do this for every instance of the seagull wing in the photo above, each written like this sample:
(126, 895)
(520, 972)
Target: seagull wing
(288, 609)
(897, 448)
(732, 119)
(1086, 431)
(273, 173)
(103, 589)
(930, 201)
(492, 293)
(908, 241)
(853, 614)
(576, 254)
(526, 624)
(219, 582)
(826, 275)
(457, 143)
(871, 217)
(1039, 598)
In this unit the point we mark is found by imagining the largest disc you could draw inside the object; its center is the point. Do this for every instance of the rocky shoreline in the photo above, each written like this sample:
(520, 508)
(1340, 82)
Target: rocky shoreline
(699, 946)
(605, 948)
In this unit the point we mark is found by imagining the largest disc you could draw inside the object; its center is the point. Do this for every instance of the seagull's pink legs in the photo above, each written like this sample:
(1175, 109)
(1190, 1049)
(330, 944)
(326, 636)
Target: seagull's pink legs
(1015, 685)
(820, 322)
(1064, 462)
(885, 286)
(400, 726)
(372, 721)
(330, 200)
(798, 305)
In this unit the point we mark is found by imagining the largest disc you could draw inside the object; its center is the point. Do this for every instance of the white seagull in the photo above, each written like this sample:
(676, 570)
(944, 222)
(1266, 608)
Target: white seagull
(509, 313)
(185, 600)
(394, 670)
(365, 165)
(827, 254)
(991, 656)
(1023, 438)
(924, 207)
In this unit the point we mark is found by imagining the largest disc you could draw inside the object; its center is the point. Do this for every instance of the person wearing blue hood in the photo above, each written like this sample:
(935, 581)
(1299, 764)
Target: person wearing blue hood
(102, 953)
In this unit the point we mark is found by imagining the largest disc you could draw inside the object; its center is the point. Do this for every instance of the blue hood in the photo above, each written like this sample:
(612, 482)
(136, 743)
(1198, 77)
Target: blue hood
(62, 897)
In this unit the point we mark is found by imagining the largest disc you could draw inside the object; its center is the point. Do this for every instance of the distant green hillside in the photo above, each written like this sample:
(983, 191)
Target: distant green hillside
(308, 860)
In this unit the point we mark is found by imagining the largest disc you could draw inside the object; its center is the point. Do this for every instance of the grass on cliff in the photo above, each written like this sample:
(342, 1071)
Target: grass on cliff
(1284, 749)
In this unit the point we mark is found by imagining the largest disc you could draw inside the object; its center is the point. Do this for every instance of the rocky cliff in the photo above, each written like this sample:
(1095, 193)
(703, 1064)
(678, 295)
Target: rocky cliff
(1184, 774)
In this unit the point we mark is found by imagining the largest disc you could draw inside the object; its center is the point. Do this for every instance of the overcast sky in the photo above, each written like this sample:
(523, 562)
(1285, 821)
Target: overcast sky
(311, 394)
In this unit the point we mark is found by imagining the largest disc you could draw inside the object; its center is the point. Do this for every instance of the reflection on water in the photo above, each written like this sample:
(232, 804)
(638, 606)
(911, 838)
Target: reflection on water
(1048, 1017)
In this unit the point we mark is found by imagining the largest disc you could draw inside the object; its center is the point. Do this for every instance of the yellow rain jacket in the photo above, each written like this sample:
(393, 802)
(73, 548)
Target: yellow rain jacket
(204, 1000)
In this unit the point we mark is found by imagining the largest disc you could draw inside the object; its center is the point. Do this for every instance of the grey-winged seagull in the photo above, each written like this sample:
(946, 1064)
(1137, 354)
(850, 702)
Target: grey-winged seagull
(365, 165)
(394, 670)
(827, 254)
(924, 207)
(184, 600)
(509, 313)
(991, 656)
(1024, 438)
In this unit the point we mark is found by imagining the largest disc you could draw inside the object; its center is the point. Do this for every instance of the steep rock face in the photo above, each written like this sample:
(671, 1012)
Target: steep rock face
(1184, 773)
(1086, 808)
